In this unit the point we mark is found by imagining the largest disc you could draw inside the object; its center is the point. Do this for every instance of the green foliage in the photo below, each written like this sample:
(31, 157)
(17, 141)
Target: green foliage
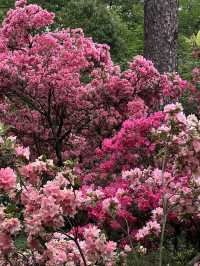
(178, 258)
(98, 21)
(21, 242)
(197, 39)
(4, 6)
(189, 24)
(185, 60)
(189, 17)
(142, 260)
(131, 12)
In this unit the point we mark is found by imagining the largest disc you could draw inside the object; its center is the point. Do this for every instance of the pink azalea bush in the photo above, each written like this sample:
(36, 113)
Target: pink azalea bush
(40, 204)
(61, 92)
(163, 167)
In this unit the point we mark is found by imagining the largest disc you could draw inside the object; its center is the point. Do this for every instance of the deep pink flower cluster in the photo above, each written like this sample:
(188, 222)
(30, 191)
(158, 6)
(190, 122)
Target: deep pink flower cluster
(131, 145)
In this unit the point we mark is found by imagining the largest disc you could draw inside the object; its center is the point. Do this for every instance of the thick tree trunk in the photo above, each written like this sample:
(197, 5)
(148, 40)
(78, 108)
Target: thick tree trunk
(161, 33)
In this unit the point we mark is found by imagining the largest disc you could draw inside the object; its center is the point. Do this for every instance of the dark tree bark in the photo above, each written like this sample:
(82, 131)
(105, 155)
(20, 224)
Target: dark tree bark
(161, 33)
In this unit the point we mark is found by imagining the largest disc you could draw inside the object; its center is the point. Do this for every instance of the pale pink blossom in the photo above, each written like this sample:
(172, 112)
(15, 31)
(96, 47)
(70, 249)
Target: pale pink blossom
(7, 179)
(21, 151)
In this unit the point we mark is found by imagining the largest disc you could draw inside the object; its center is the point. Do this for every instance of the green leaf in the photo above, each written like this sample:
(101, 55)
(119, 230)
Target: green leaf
(21, 242)
(198, 39)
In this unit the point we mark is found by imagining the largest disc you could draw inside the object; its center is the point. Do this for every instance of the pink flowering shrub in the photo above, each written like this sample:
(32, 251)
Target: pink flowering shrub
(40, 204)
(163, 169)
(61, 92)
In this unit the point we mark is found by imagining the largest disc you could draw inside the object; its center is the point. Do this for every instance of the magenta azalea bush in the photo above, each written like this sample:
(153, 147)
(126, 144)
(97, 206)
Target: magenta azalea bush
(96, 163)
(61, 92)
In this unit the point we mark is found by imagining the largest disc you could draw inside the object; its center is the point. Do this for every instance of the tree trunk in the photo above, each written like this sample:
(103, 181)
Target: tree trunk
(161, 33)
